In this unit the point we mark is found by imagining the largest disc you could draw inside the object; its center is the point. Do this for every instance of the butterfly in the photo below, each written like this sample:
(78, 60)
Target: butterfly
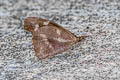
(48, 37)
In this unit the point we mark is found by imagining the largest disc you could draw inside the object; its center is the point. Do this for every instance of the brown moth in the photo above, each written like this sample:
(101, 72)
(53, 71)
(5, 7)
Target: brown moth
(49, 38)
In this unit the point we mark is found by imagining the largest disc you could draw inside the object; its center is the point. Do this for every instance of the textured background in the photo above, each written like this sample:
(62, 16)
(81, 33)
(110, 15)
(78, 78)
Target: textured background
(96, 58)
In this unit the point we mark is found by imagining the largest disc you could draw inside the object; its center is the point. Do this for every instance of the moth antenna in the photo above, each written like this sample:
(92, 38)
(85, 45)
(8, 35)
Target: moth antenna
(81, 38)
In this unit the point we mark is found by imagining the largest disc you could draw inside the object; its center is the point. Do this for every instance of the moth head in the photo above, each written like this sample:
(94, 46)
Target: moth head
(33, 23)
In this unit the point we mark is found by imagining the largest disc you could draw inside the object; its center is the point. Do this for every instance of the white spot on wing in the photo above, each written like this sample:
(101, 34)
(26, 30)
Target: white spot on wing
(32, 22)
(46, 23)
(46, 40)
(36, 27)
(62, 40)
(44, 36)
(41, 49)
(58, 31)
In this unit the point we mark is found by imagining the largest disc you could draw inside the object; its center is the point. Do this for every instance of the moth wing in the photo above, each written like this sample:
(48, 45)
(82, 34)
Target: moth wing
(52, 39)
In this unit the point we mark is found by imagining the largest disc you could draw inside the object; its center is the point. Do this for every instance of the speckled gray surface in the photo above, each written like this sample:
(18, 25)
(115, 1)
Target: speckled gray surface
(96, 58)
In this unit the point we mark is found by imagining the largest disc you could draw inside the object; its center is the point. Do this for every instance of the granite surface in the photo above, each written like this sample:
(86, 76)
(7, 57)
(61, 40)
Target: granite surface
(96, 58)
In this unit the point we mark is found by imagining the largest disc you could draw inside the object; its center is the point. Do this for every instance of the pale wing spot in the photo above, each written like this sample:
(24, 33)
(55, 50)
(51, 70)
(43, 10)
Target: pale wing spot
(46, 40)
(58, 31)
(41, 49)
(44, 36)
(46, 23)
(32, 22)
(50, 46)
(36, 27)
(62, 40)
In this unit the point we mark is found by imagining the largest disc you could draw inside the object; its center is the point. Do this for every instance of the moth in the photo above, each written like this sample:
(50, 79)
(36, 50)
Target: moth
(48, 37)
